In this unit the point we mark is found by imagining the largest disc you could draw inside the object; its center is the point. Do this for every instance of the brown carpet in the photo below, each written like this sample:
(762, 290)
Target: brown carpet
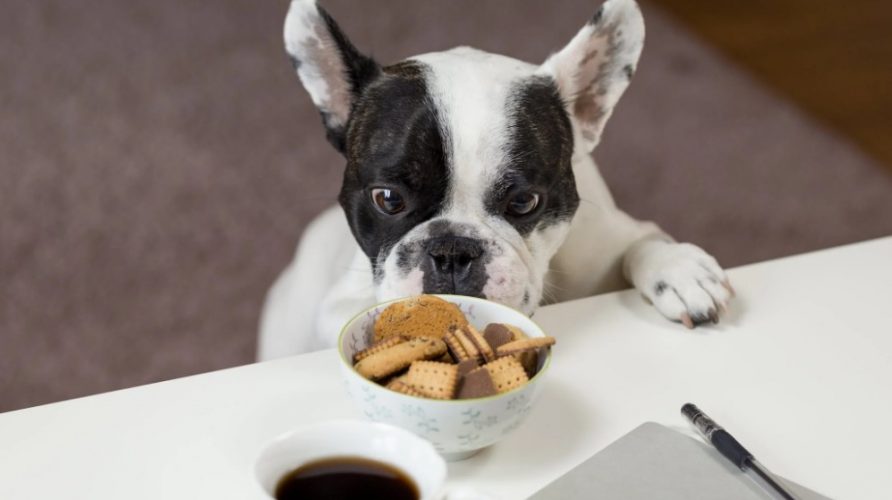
(158, 160)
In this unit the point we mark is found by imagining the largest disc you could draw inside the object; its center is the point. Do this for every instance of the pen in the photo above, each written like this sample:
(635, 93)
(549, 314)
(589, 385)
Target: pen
(731, 448)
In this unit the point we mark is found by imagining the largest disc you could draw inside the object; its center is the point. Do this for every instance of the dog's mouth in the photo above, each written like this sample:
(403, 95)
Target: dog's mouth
(459, 267)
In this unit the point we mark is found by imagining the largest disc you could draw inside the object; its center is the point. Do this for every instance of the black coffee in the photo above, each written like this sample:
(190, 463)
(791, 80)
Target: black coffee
(346, 478)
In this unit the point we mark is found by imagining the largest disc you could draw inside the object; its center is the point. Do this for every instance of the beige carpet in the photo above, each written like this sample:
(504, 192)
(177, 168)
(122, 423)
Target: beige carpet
(158, 160)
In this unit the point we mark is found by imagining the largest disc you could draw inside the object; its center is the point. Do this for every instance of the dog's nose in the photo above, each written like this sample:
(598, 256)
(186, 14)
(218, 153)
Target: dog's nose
(454, 256)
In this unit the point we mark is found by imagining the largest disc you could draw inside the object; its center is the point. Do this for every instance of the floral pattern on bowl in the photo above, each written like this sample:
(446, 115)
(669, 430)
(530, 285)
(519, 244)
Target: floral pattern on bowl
(456, 428)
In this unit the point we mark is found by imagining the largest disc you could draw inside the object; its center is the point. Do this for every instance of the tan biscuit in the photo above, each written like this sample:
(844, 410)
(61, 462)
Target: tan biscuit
(497, 334)
(483, 347)
(470, 347)
(516, 332)
(433, 379)
(393, 359)
(422, 316)
(467, 343)
(507, 374)
(404, 388)
(476, 384)
(524, 345)
(377, 347)
(397, 379)
(456, 347)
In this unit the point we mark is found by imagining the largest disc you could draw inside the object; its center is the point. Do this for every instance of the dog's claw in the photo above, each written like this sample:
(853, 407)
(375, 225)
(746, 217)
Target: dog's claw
(684, 283)
(727, 285)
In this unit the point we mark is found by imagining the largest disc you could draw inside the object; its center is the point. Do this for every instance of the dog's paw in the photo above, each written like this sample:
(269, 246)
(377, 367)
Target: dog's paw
(683, 282)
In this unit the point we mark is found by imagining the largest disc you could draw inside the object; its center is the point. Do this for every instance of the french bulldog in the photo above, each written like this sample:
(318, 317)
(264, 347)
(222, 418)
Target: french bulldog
(471, 173)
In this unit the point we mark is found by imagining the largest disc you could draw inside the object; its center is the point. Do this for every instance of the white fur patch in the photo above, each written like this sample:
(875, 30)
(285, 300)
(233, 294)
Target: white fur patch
(682, 281)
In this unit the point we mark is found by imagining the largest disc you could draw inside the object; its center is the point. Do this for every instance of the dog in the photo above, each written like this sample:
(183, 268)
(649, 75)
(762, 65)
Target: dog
(471, 173)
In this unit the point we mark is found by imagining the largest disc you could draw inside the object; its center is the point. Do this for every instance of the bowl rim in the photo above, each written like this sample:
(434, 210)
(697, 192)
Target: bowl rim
(349, 365)
(373, 427)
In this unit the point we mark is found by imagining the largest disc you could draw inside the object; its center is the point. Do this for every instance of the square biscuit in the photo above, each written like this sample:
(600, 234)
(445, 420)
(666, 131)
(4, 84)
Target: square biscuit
(507, 373)
(433, 379)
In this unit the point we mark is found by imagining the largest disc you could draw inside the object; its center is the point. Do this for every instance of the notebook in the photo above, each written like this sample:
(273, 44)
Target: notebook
(654, 461)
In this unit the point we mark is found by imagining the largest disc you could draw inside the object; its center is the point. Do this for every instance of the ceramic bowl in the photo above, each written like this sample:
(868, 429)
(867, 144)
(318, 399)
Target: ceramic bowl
(456, 428)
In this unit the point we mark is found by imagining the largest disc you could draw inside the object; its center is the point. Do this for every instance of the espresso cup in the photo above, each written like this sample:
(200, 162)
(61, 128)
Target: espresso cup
(383, 443)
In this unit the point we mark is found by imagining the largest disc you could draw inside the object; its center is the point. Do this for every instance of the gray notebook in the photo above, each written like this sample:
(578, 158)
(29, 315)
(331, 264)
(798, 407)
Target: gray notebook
(654, 461)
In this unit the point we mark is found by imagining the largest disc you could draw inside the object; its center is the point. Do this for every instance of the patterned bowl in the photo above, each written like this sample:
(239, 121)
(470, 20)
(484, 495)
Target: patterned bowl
(456, 428)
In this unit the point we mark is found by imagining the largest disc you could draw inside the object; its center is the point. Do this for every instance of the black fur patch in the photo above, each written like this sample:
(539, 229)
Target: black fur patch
(597, 17)
(540, 152)
(393, 140)
(295, 62)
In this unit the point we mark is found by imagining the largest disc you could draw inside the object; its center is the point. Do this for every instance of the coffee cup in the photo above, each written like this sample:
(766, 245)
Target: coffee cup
(351, 450)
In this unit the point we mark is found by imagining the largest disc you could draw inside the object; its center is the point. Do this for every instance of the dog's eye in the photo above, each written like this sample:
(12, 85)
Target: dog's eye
(522, 203)
(388, 201)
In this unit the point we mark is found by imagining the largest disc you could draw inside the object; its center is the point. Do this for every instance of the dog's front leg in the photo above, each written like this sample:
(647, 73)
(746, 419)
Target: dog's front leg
(683, 282)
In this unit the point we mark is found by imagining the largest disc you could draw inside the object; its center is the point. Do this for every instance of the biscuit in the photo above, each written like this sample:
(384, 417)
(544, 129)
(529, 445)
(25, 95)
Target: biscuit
(524, 345)
(433, 379)
(507, 374)
(483, 347)
(467, 343)
(476, 384)
(516, 332)
(530, 360)
(396, 379)
(457, 348)
(396, 358)
(466, 366)
(377, 347)
(404, 388)
(497, 334)
(422, 316)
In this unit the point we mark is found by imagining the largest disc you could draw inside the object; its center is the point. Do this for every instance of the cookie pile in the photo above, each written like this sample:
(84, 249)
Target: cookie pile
(426, 347)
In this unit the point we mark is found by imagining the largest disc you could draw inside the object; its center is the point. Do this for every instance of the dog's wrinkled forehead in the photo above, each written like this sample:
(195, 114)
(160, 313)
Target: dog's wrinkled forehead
(394, 135)
(473, 92)
(461, 128)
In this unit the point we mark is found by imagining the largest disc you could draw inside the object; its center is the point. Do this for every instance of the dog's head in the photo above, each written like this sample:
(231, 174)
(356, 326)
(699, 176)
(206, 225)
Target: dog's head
(459, 175)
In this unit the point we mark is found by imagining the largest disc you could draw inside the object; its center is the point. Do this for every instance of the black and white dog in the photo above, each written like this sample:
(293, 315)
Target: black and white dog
(470, 173)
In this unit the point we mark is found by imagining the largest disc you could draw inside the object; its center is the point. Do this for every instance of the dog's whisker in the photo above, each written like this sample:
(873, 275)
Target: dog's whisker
(559, 271)
(592, 203)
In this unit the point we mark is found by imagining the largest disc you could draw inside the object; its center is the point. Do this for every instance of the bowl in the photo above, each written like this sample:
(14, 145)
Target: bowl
(352, 438)
(456, 428)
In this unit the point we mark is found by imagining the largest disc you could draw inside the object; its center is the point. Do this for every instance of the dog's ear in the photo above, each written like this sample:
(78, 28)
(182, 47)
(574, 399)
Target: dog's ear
(330, 67)
(594, 69)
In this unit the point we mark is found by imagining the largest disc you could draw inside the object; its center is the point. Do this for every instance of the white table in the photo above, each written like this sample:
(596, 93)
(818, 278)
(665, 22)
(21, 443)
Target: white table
(800, 372)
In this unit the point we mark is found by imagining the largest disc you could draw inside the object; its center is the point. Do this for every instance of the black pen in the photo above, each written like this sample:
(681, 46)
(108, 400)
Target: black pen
(731, 448)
